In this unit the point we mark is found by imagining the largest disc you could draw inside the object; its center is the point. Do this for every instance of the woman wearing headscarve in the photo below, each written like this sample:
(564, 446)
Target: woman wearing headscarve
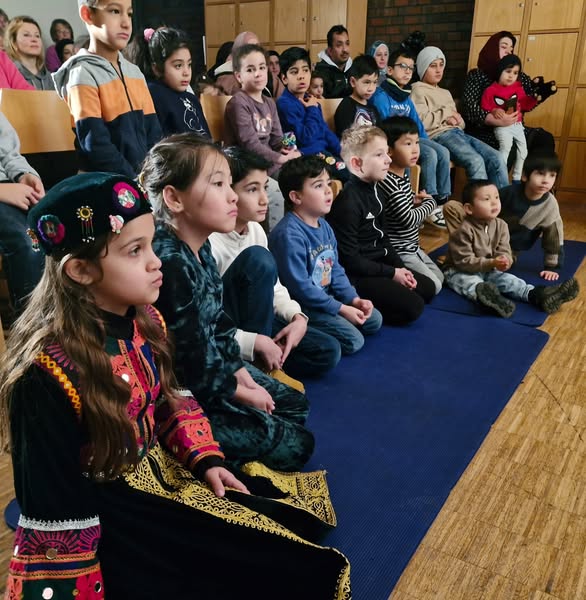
(380, 51)
(479, 122)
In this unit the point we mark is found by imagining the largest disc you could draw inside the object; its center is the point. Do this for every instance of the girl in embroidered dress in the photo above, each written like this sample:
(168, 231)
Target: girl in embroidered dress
(121, 484)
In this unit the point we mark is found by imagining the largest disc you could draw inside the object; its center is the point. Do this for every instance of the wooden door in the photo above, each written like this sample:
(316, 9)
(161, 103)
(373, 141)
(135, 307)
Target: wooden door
(551, 55)
(550, 114)
(499, 15)
(220, 22)
(324, 14)
(578, 123)
(256, 17)
(555, 14)
(582, 71)
(290, 22)
(573, 175)
(476, 46)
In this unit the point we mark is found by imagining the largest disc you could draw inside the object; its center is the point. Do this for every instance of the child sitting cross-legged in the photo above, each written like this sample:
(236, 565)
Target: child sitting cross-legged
(354, 109)
(405, 211)
(301, 113)
(357, 218)
(479, 256)
(273, 330)
(305, 249)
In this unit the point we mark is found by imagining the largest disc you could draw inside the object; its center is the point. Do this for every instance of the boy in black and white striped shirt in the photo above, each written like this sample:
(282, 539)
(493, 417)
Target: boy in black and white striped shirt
(405, 211)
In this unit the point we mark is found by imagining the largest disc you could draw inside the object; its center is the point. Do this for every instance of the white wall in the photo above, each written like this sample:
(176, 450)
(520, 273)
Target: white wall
(44, 13)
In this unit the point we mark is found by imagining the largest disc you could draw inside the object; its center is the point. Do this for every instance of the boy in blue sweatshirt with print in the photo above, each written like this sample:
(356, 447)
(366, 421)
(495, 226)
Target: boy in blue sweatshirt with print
(115, 119)
(305, 250)
(301, 113)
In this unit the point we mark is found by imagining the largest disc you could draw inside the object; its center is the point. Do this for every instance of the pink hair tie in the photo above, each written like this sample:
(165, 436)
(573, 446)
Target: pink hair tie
(148, 34)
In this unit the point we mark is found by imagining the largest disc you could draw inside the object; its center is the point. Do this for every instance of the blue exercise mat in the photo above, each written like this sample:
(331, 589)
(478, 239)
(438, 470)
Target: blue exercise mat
(527, 267)
(397, 424)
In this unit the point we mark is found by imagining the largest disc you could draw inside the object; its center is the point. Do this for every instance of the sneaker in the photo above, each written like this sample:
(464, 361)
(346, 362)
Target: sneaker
(281, 376)
(488, 295)
(550, 298)
(436, 218)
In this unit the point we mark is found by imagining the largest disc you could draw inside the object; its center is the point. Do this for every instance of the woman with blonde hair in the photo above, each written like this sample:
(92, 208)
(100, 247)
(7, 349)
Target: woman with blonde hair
(23, 44)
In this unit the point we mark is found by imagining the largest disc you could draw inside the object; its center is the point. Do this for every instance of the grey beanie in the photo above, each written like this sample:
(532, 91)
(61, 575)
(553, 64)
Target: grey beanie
(426, 57)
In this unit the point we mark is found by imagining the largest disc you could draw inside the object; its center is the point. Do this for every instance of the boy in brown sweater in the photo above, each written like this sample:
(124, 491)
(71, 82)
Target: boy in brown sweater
(479, 256)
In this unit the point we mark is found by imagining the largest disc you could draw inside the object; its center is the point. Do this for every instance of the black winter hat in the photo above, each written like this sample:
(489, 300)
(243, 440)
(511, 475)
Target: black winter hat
(506, 62)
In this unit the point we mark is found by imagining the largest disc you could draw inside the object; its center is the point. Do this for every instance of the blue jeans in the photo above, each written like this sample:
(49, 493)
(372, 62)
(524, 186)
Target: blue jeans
(22, 264)
(508, 284)
(479, 159)
(434, 161)
(249, 285)
(349, 337)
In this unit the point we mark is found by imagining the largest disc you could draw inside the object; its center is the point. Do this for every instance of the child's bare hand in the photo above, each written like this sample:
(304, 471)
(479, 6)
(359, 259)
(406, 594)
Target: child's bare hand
(20, 195)
(271, 354)
(308, 101)
(34, 182)
(257, 397)
(452, 121)
(290, 336)
(288, 155)
(501, 263)
(365, 306)
(218, 478)
(420, 196)
(405, 278)
(549, 275)
(352, 314)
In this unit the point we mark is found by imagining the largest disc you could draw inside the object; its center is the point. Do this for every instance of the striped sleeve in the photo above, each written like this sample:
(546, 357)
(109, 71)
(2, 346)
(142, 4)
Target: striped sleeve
(402, 217)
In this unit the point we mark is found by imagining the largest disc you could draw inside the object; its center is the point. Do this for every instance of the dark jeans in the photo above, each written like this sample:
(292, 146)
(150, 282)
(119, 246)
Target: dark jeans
(397, 304)
(22, 265)
(249, 285)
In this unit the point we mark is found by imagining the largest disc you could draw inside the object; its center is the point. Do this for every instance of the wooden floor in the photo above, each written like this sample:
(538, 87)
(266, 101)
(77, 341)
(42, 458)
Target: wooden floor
(514, 527)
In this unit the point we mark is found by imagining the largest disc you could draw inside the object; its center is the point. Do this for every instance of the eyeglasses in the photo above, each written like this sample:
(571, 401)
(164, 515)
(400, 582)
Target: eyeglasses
(405, 67)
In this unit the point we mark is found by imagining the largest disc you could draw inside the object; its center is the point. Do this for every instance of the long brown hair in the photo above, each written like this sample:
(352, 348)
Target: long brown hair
(64, 312)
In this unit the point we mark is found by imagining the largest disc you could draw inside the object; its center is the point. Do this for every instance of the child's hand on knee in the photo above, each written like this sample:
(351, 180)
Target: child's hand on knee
(352, 314)
(270, 353)
(405, 278)
(501, 263)
(366, 306)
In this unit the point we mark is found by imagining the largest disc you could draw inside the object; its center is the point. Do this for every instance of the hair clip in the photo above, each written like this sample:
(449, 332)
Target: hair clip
(148, 34)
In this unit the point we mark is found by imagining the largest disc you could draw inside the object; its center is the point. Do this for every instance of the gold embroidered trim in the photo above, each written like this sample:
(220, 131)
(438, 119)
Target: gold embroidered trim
(66, 384)
(182, 487)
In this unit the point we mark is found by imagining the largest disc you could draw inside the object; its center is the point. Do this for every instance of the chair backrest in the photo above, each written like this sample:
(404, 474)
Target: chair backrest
(328, 108)
(41, 120)
(213, 110)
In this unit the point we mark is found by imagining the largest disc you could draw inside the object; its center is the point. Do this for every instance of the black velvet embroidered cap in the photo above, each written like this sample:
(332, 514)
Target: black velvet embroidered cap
(83, 207)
